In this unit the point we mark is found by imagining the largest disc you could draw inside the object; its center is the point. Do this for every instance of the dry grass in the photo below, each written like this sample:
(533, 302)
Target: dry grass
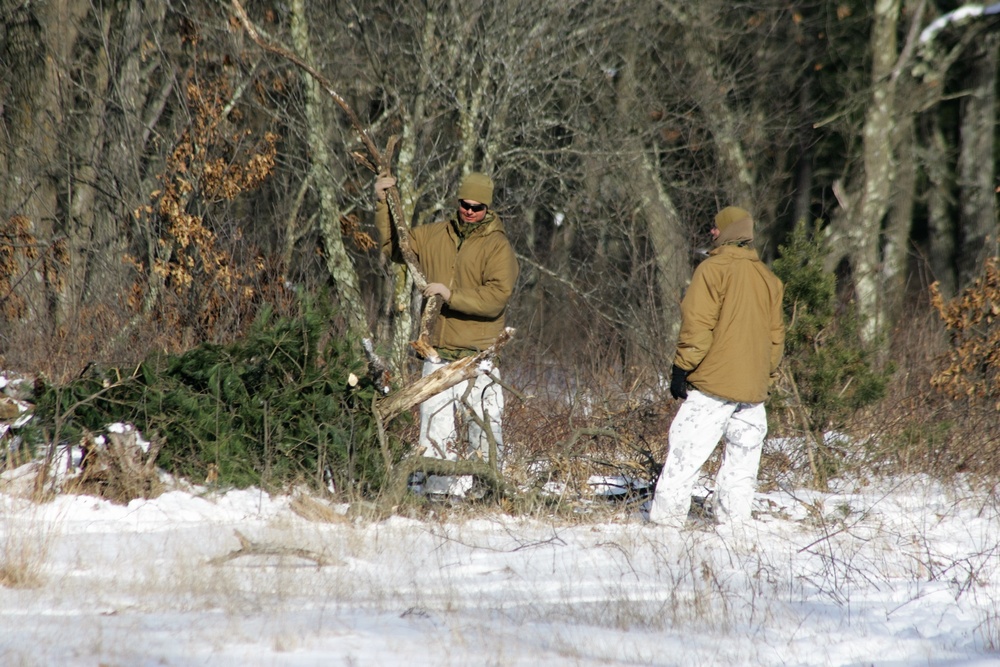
(311, 509)
(605, 429)
(24, 546)
(914, 429)
(989, 631)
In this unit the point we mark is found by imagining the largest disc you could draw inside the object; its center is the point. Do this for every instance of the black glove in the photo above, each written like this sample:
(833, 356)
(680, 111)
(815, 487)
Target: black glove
(678, 383)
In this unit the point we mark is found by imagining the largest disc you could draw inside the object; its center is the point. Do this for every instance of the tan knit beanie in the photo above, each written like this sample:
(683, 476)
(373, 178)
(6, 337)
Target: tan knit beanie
(735, 225)
(477, 187)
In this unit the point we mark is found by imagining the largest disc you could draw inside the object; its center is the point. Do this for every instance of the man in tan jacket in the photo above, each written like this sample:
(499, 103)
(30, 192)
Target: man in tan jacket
(731, 342)
(468, 261)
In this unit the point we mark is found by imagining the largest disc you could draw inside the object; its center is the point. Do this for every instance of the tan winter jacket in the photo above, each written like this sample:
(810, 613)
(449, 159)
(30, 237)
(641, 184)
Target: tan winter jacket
(480, 272)
(732, 332)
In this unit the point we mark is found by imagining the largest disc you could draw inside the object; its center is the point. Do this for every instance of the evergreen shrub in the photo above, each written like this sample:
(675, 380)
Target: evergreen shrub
(828, 373)
(287, 404)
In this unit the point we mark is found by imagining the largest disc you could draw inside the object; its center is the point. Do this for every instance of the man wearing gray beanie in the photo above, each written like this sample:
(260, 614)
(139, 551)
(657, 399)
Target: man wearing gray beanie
(730, 344)
(468, 262)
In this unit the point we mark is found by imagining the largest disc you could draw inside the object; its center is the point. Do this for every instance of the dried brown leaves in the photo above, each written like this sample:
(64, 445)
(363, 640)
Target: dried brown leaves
(971, 367)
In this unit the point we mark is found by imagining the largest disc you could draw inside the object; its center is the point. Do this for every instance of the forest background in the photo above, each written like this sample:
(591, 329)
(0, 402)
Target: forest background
(164, 181)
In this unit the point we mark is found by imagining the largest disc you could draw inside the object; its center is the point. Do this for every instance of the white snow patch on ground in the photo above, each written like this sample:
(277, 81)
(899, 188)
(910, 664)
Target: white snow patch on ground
(898, 573)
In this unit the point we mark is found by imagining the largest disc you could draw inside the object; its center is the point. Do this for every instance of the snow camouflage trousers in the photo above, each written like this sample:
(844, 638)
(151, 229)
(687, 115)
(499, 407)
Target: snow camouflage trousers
(448, 431)
(697, 428)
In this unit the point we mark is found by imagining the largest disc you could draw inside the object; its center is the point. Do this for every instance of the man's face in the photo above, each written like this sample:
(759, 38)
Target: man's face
(714, 232)
(471, 211)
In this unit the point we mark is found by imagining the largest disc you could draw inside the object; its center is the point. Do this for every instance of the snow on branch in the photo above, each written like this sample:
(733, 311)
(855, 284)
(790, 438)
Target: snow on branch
(957, 16)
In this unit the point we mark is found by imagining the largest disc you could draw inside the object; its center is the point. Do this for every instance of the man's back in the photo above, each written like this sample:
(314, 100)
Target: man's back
(732, 332)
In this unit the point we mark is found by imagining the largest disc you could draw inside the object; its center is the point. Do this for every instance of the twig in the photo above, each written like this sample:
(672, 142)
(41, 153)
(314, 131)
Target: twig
(812, 442)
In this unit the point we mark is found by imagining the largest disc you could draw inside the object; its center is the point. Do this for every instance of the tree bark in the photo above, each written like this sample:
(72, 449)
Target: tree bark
(641, 176)
(900, 220)
(940, 222)
(864, 206)
(39, 39)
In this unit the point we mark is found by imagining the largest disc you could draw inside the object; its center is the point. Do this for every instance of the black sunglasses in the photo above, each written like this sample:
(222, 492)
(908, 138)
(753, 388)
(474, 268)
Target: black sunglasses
(475, 208)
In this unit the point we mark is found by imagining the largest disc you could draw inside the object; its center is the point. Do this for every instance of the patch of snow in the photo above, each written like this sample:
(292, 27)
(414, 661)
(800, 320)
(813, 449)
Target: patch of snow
(901, 572)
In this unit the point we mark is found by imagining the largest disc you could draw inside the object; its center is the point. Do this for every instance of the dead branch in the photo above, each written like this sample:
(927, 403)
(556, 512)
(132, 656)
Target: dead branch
(567, 448)
(441, 379)
(250, 548)
(484, 424)
(813, 443)
(378, 368)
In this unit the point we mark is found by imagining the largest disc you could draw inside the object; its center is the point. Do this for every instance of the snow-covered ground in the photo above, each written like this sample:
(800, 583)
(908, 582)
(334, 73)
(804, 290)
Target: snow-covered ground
(894, 573)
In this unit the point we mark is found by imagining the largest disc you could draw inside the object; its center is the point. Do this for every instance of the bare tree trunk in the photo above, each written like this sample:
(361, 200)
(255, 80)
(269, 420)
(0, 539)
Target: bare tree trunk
(976, 172)
(709, 94)
(404, 304)
(940, 223)
(673, 267)
(897, 232)
(640, 174)
(131, 87)
(803, 167)
(866, 207)
(39, 39)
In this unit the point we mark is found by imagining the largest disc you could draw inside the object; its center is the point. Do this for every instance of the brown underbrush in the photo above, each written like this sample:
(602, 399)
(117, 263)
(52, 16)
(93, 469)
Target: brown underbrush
(918, 428)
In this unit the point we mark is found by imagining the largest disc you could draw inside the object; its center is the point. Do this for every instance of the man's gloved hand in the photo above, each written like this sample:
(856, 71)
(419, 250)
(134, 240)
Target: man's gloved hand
(437, 289)
(383, 183)
(678, 383)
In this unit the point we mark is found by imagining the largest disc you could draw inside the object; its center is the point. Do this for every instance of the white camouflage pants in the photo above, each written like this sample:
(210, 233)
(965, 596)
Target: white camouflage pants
(697, 428)
(448, 430)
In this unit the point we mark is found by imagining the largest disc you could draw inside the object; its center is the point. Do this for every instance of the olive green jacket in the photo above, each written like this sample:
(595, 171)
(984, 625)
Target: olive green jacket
(480, 271)
(732, 330)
